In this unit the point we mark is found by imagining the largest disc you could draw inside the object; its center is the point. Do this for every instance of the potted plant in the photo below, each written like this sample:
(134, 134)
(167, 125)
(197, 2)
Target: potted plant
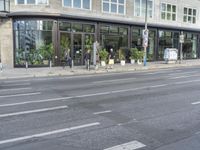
(103, 54)
(122, 57)
(46, 51)
(140, 57)
(133, 55)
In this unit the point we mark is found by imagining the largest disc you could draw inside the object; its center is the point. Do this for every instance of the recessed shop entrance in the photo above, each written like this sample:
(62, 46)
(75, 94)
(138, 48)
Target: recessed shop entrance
(76, 45)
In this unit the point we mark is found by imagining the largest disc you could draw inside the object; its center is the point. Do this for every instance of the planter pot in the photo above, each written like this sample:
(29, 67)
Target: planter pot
(45, 62)
(139, 62)
(103, 63)
(132, 61)
(122, 62)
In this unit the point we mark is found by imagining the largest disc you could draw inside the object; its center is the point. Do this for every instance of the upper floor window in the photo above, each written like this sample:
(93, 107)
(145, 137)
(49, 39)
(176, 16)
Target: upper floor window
(140, 8)
(189, 15)
(82, 4)
(4, 5)
(114, 6)
(34, 2)
(168, 12)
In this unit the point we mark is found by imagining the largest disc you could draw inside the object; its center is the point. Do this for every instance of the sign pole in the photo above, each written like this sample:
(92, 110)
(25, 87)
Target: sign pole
(181, 46)
(145, 43)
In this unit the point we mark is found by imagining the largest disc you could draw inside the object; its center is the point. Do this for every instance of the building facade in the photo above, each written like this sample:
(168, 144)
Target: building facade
(39, 30)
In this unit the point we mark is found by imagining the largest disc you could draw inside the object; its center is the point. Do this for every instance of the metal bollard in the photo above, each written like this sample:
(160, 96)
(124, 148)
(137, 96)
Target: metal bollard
(50, 64)
(1, 67)
(26, 65)
(72, 65)
(88, 64)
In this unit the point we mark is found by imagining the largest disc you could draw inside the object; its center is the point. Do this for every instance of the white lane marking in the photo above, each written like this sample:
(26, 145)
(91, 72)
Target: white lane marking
(183, 73)
(32, 111)
(18, 139)
(179, 77)
(127, 146)
(23, 84)
(102, 112)
(15, 81)
(115, 80)
(36, 101)
(184, 82)
(15, 89)
(17, 95)
(195, 103)
(161, 85)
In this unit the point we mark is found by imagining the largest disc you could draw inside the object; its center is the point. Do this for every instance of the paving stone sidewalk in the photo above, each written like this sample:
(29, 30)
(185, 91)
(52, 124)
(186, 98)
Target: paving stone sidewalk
(7, 73)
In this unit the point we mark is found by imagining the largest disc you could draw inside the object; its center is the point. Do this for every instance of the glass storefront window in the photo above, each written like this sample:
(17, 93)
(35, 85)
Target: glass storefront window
(88, 28)
(33, 42)
(167, 39)
(137, 41)
(65, 26)
(190, 46)
(76, 27)
(116, 37)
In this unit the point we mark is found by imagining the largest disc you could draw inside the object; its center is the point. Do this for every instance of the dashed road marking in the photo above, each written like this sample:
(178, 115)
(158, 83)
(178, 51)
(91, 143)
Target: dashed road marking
(102, 112)
(32, 111)
(15, 89)
(17, 95)
(18, 139)
(133, 145)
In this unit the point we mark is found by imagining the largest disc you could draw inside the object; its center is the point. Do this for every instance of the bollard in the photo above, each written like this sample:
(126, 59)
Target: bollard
(72, 64)
(26, 65)
(88, 64)
(50, 64)
(1, 67)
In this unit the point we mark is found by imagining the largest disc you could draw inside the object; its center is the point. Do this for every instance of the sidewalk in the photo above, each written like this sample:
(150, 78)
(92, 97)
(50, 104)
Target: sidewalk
(79, 70)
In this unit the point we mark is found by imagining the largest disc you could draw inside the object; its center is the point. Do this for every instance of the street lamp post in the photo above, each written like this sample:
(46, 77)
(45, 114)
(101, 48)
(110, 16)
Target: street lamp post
(145, 38)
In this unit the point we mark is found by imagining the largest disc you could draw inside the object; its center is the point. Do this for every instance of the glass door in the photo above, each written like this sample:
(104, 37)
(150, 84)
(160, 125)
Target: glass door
(77, 49)
(65, 45)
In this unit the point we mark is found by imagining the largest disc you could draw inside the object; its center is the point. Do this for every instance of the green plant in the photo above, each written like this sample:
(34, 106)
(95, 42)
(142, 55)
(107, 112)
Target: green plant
(122, 54)
(103, 54)
(64, 45)
(46, 51)
(134, 53)
(140, 55)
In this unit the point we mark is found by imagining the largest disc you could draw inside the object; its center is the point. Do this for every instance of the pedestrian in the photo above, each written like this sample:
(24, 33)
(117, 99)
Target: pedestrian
(87, 59)
(111, 58)
(68, 59)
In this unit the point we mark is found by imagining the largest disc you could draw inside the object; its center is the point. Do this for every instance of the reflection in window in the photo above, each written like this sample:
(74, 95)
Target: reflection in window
(4, 5)
(113, 6)
(33, 42)
(140, 8)
(168, 12)
(167, 39)
(190, 46)
(189, 15)
(82, 4)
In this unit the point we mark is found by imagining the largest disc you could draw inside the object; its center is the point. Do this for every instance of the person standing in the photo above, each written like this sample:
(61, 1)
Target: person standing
(87, 58)
(111, 58)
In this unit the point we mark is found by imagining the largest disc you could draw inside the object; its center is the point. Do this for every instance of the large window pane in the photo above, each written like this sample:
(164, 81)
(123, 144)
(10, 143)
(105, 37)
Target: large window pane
(86, 4)
(20, 2)
(33, 45)
(68, 3)
(30, 1)
(106, 7)
(77, 3)
(42, 1)
(113, 8)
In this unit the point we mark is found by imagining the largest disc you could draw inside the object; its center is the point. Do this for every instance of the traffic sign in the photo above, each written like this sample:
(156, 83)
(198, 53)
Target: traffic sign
(181, 38)
(145, 38)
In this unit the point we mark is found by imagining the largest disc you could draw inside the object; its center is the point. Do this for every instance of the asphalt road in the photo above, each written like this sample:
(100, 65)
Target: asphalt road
(144, 110)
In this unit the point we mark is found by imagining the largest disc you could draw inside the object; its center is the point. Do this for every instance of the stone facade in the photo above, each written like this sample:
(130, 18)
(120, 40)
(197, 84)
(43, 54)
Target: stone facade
(6, 42)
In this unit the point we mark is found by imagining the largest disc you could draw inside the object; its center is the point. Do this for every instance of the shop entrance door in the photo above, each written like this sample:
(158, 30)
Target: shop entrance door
(77, 49)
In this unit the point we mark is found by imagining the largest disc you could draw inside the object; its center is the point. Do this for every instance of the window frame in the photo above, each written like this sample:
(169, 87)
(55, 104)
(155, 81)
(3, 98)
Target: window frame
(141, 8)
(109, 2)
(72, 5)
(192, 15)
(36, 3)
(166, 12)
